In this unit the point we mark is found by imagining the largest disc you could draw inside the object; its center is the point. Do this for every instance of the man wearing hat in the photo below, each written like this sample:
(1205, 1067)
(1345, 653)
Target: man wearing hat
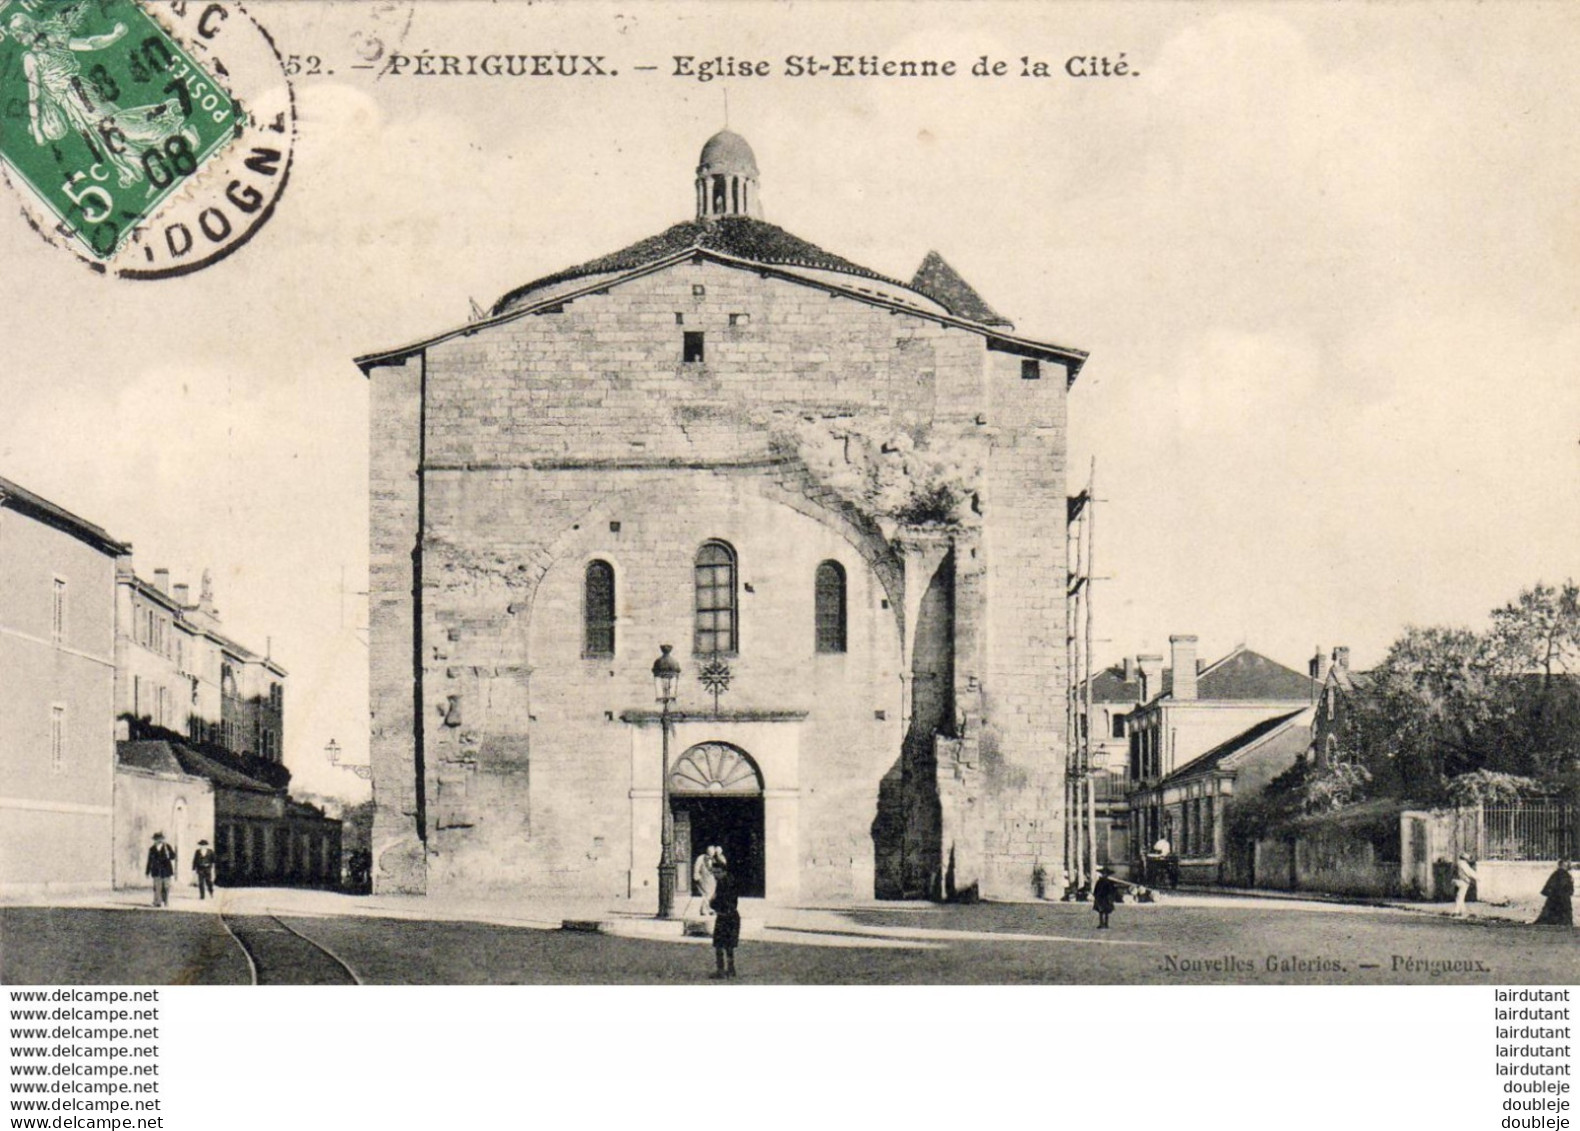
(161, 866)
(203, 868)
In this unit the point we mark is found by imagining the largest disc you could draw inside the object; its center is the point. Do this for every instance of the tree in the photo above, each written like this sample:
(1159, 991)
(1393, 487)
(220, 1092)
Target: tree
(1450, 702)
(1535, 646)
(1539, 633)
(1431, 710)
(1488, 787)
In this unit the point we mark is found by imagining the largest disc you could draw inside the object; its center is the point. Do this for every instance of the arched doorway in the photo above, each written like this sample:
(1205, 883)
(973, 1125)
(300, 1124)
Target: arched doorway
(716, 795)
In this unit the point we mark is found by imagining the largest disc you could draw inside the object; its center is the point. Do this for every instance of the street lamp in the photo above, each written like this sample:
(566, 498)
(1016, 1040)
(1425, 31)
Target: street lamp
(666, 679)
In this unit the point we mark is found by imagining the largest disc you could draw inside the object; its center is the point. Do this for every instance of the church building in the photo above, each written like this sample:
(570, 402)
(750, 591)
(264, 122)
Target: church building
(839, 499)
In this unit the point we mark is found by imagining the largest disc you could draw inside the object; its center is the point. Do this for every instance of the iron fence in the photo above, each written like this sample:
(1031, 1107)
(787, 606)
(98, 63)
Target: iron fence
(1529, 830)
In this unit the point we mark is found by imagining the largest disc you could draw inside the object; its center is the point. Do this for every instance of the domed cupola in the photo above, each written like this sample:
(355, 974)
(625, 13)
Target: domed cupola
(727, 178)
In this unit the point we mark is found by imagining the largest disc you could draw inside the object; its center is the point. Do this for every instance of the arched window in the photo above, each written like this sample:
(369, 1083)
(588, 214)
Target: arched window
(598, 609)
(716, 621)
(830, 596)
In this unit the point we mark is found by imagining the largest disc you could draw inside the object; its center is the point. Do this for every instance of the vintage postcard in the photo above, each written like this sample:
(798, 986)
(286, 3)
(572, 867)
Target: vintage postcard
(799, 494)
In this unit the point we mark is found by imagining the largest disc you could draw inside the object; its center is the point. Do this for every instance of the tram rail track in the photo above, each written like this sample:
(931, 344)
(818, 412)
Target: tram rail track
(279, 954)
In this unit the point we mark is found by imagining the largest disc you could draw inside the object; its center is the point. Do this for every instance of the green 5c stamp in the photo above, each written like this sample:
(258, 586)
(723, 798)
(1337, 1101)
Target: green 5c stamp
(152, 139)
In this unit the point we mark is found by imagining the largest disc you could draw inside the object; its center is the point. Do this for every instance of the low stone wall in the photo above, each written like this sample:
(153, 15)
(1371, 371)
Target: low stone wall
(1205, 872)
(1512, 881)
(1331, 861)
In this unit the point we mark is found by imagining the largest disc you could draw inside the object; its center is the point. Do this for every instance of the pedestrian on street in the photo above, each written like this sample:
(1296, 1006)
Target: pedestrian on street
(1464, 876)
(702, 875)
(726, 920)
(203, 863)
(160, 868)
(1103, 893)
(1559, 889)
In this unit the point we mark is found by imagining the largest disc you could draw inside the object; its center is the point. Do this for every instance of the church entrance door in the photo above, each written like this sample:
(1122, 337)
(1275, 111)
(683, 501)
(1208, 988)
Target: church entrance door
(716, 795)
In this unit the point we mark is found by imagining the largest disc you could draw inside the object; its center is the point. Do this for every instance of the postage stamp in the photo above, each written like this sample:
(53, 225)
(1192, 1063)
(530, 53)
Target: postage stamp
(152, 140)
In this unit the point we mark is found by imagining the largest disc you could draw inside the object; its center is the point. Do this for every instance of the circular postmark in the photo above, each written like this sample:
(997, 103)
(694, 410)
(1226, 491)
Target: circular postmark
(152, 139)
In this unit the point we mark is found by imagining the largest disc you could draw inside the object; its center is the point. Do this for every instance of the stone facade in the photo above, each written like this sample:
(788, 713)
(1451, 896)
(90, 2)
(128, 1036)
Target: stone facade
(793, 417)
(176, 671)
(1198, 708)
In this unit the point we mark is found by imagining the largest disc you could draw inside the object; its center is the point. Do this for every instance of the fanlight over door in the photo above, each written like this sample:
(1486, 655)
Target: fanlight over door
(714, 768)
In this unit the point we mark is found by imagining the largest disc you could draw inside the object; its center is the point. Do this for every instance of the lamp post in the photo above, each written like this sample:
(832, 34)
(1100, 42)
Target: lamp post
(666, 678)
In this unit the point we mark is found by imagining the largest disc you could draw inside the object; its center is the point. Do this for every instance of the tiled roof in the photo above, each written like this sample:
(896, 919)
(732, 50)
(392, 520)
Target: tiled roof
(153, 756)
(1352, 681)
(742, 237)
(36, 506)
(1215, 757)
(937, 280)
(1244, 674)
(1111, 686)
(205, 767)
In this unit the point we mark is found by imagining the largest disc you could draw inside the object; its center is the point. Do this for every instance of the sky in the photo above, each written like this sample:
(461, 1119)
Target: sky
(1324, 259)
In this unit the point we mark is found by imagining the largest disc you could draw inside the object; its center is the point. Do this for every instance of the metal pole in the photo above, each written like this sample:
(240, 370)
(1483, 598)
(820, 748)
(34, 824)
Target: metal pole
(666, 858)
(1072, 797)
(1086, 658)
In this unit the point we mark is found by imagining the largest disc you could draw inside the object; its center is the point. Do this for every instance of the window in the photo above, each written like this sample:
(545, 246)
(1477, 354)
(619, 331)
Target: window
(598, 609)
(715, 577)
(1030, 369)
(692, 348)
(57, 738)
(57, 612)
(830, 607)
(1119, 726)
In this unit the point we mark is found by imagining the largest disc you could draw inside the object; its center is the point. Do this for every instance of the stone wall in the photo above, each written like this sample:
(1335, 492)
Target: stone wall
(394, 452)
(180, 806)
(1022, 648)
(501, 760)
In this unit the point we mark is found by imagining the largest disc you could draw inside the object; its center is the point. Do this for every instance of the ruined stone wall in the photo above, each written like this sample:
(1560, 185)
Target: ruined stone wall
(393, 453)
(534, 789)
(544, 433)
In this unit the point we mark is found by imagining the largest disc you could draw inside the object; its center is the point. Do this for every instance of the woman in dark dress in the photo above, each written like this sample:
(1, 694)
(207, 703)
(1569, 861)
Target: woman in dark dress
(1558, 911)
(1103, 893)
(726, 921)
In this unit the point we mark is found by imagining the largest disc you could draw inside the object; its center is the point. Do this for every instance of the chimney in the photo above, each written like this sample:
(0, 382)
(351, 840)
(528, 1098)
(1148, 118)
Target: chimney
(1130, 669)
(1317, 667)
(181, 593)
(1182, 651)
(1341, 658)
(162, 580)
(1151, 675)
